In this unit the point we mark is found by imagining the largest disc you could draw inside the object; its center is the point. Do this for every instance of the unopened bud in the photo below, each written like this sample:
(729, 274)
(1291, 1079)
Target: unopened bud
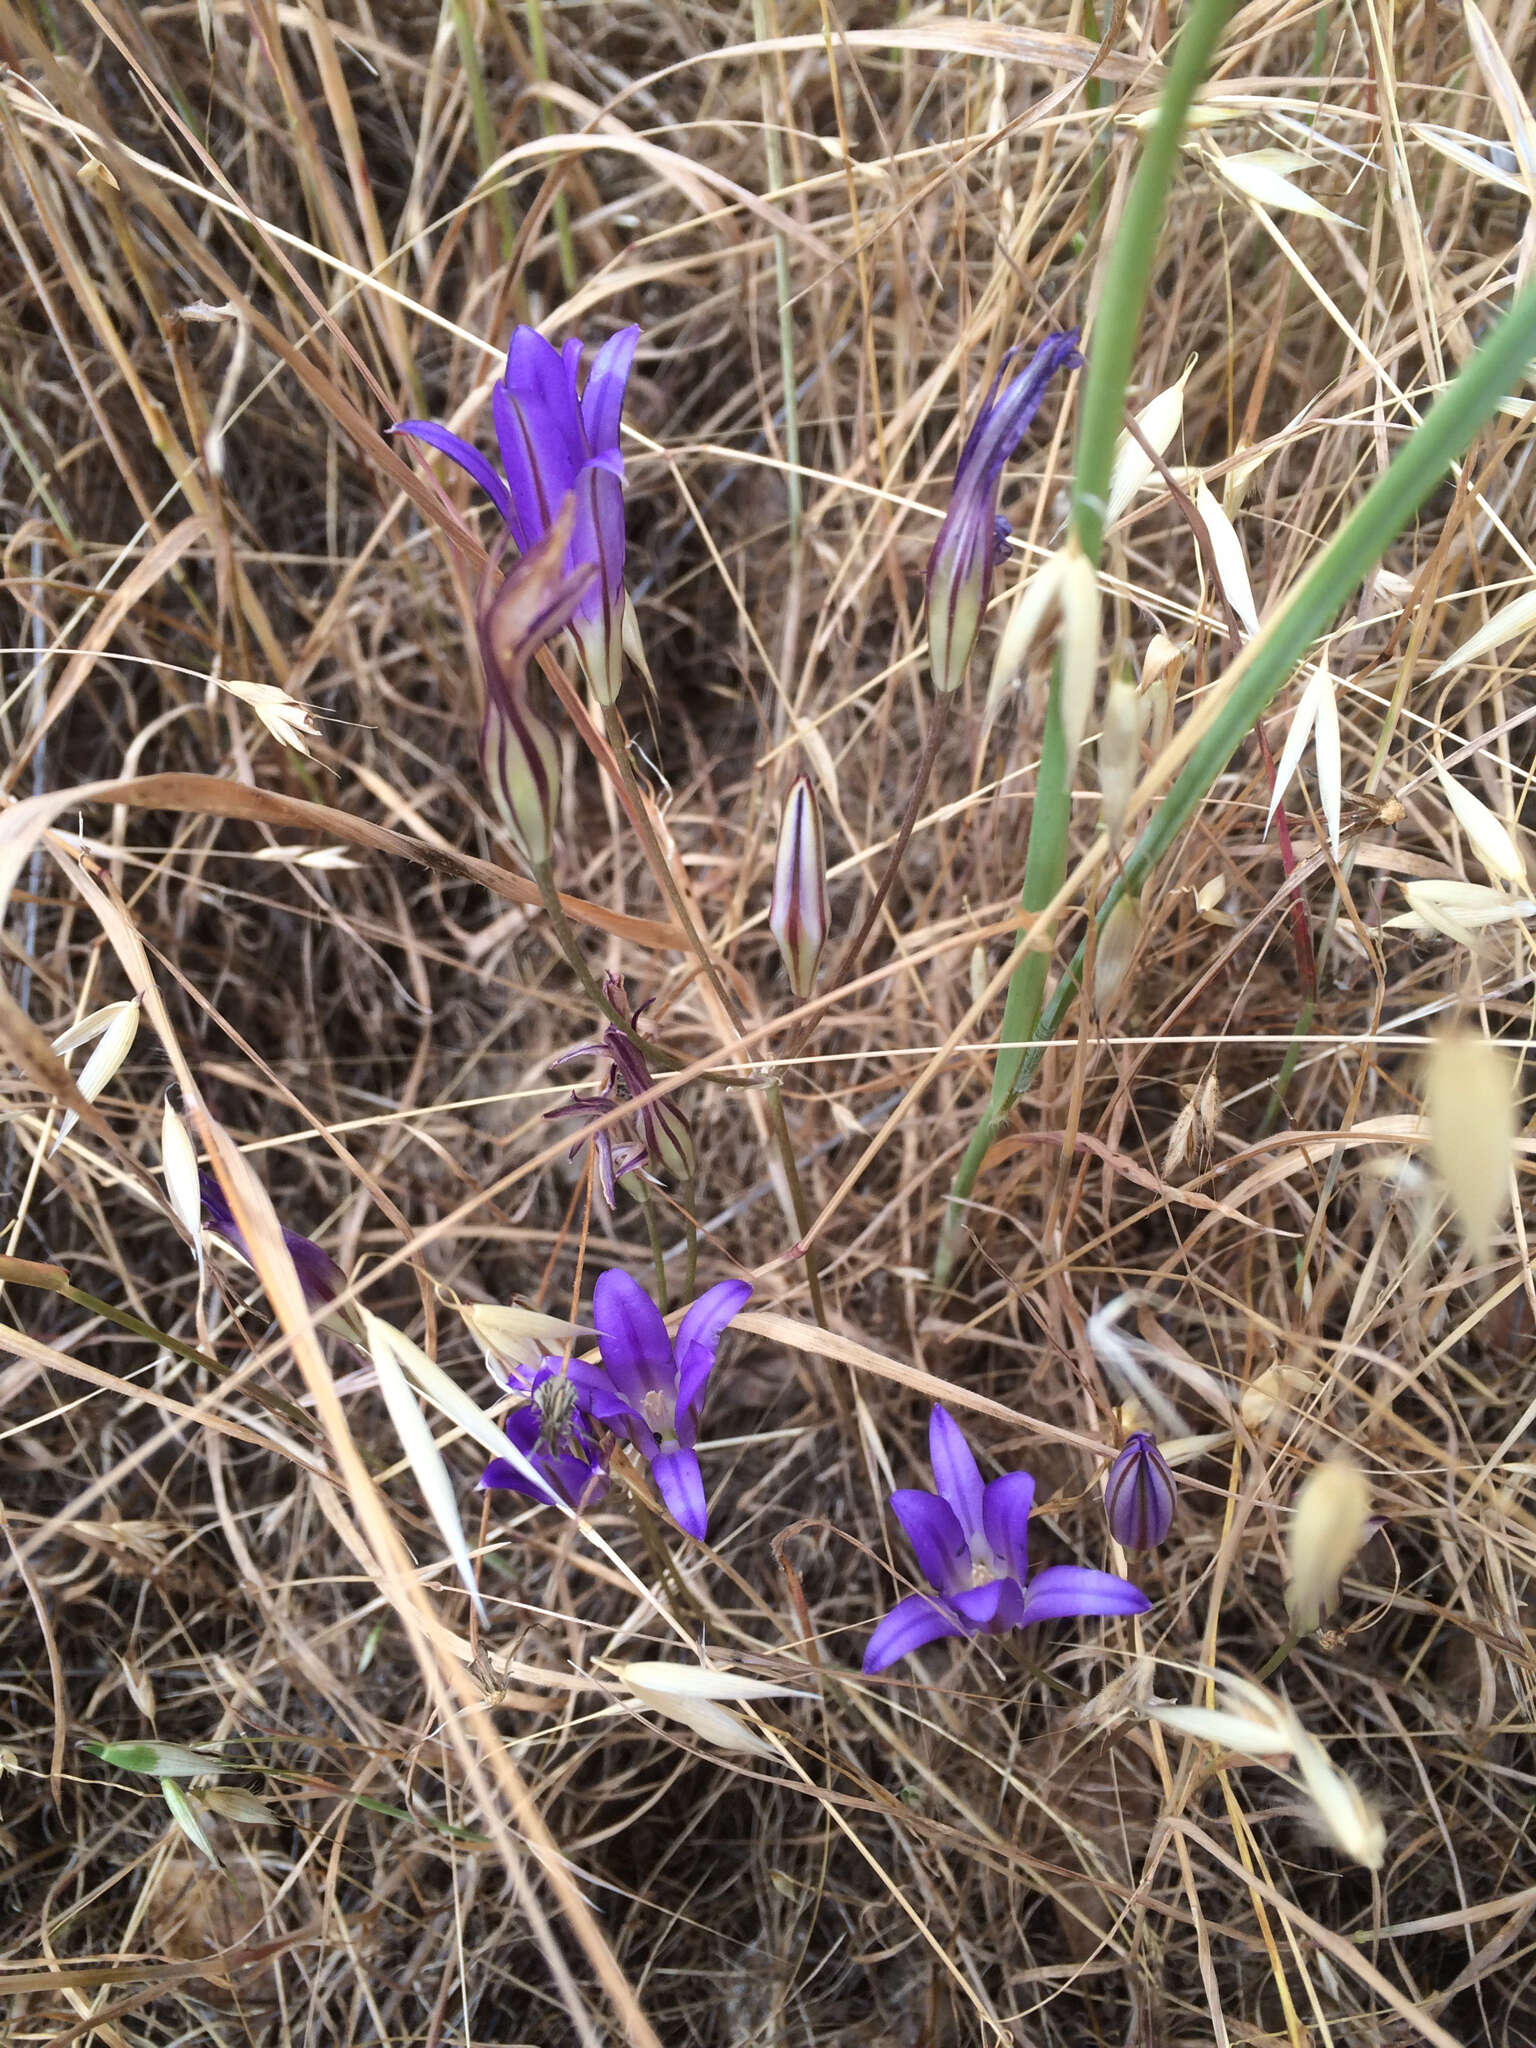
(1139, 1495)
(519, 751)
(797, 915)
(1328, 1528)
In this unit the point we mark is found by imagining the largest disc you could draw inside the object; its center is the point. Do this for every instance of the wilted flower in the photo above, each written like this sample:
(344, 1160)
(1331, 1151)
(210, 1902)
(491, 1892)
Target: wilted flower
(971, 1541)
(556, 444)
(664, 1143)
(320, 1278)
(650, 1386)
(973, 539)
(797, 914)
(519, 751)
(1139, 1495)
(554, 1434)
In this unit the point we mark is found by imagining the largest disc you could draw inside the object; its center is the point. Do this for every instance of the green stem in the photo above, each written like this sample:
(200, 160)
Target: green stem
(658, 1255)
(775, 160)
(811, 1253)
(655, 853)
(485, 125)
(565, 938)
(538, 51)
(1267, 662)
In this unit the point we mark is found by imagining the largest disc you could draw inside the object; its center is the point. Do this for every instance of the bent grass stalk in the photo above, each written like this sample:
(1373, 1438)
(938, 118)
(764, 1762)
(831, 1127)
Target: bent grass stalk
(1111, 352)
(1262, 669)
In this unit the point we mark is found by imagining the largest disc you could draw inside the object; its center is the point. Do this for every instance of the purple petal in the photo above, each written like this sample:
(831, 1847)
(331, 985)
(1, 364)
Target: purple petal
(681, 1485)
(536, 488)
(955, 1470)
(698, 1339)
(1064, 1590)
(468, 458)
(910, 1623)
(603, 400)
(598, 1393)
(597, 536)
(1003, 420)
(631, 1335)
(994, 1607)
(500, 1476)
(937, 1540)
(543, 385)
(1005, 1510)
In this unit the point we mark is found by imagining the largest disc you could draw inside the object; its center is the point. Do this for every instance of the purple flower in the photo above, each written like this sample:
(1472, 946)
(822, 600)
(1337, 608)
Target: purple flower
(971, 1541)
(665, 1140)
(555, 444)
(320, 1278)
(555, 1435)
(650, 1387)
(973, 539)
(1139, 1495)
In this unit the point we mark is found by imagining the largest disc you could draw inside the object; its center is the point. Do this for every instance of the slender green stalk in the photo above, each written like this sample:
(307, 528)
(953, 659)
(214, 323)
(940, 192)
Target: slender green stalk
(1111, 353)
(485, 125)
(775, 160)
(658, 1253)
(565, 938)
(1267, 662)
(812, 1254)
(538, 51)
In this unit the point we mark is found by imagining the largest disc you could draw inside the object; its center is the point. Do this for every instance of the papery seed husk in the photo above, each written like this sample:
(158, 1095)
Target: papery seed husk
(1327, 1528)
(1115, 951)
(1469, 1100)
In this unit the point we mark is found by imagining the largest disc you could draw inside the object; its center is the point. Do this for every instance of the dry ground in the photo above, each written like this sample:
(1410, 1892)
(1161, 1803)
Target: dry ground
(238, 240)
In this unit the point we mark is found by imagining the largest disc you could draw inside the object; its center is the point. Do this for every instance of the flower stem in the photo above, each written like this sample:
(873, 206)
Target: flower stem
(618, 741)
(811, 1252)
(658, 1255)
(565, 938)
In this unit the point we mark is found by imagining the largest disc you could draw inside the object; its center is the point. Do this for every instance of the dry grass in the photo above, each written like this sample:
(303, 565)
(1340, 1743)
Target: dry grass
(992, 1844)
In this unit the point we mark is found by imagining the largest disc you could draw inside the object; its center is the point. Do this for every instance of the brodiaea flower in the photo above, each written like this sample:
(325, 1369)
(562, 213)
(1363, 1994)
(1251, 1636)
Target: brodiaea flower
(973, 539)
(650, 1387)
(971, 1541)
(557, 443)
(665, 1140)
(554, 1434)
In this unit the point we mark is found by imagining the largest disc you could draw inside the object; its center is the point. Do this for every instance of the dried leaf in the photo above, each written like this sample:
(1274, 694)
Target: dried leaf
(1031, 608)
(114, 1026)
(420, 1447)
(1486, 831)
(1316, 717)
(1261, 175)
(1158, 422)
(1231, 564)
(691, 1694)
(1510, 622)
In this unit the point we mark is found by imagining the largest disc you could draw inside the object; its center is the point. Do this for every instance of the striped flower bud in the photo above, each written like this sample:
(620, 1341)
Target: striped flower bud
(519, 751)
(1139, 1495)
(797, 915)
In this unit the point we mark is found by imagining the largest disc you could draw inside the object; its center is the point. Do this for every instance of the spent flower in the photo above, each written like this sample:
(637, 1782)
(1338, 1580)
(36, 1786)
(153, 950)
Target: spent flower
(558, 443)
(650, 1386)
(320, 1278)
(973, 539)
(659, 1138)
(971, 1541)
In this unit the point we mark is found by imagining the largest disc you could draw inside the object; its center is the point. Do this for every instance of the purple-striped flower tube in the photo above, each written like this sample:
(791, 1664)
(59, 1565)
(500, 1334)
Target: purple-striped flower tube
(797, 911)
(519, 749)
(650, 1387)
(321, 1280)
(971, 1541)
(1139, 1495)
(554, 1434)
(558, 443)
(973, 540)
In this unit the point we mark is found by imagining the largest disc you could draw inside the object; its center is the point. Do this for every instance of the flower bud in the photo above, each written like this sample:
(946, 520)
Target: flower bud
(797, 915)
(1139, 1495)
(519, 751)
